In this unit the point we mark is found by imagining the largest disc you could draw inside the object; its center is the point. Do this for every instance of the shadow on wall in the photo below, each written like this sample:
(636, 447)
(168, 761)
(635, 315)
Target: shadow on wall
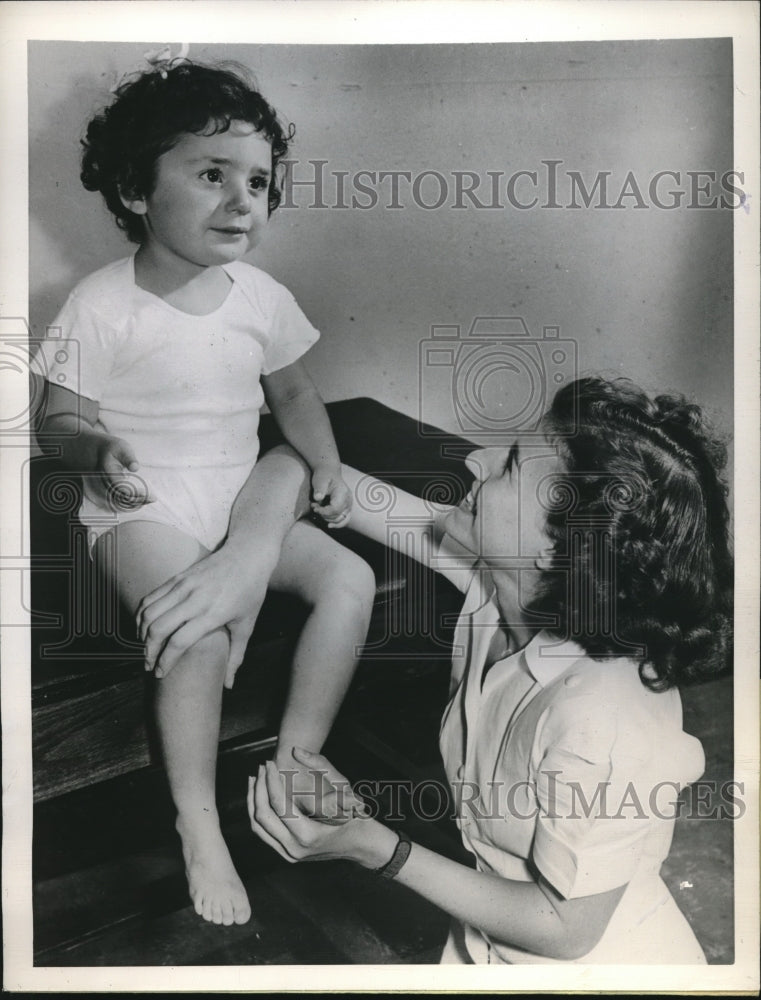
(640, 290)
(62, 235)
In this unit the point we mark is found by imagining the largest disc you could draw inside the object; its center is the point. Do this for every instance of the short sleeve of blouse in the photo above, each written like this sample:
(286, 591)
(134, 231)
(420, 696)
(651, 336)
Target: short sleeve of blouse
(593, 791)
(78, 350)
(291, 333)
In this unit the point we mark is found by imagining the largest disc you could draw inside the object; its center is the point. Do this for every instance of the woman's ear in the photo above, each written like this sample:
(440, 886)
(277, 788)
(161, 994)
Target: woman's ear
(544, 558)
(134, 202)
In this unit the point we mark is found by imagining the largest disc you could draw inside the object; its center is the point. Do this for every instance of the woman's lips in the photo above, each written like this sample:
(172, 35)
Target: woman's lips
(468, 503)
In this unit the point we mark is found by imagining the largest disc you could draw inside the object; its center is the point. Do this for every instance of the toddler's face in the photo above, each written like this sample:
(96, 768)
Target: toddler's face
(209, 204)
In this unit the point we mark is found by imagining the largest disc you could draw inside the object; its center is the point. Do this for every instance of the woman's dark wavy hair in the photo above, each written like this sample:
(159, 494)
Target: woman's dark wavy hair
(150, 114)
(641, 564)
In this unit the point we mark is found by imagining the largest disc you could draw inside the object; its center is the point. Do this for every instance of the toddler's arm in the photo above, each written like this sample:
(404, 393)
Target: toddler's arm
(303, 419)
(67, 429)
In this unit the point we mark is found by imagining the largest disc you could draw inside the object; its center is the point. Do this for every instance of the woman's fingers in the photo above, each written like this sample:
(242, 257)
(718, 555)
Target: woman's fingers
(257, 827)
(178, 643)
(158, 602)
(338, 802)
(280, 803)
(270, 813)
(317, 762)
(349, 804)
(250, 797)
(240, 633)
(333, 811)
(157, 633)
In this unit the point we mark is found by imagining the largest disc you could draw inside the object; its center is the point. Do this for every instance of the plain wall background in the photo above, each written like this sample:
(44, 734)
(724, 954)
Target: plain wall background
(642, 292)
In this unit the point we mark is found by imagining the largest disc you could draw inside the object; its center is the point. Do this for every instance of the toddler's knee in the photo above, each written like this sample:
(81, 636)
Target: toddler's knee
(210, 652)
(215, 645)
(352, 578)
(287, 451)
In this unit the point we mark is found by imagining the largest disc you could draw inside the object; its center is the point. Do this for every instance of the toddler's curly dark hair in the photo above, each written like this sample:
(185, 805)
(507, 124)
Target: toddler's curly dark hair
(150, 114)
(641, 554)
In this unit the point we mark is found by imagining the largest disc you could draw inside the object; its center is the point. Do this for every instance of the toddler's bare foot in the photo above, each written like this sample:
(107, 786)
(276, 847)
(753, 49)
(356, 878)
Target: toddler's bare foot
(215, 888)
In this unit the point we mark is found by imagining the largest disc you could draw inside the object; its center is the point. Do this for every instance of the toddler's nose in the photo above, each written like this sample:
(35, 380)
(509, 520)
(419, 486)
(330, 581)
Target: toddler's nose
(238, 199)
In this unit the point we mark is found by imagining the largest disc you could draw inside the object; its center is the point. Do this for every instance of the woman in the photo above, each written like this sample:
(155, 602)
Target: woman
(598, 578)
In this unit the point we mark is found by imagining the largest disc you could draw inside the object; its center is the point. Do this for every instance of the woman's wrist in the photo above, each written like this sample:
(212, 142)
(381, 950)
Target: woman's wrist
(255, 541)
(375, 844)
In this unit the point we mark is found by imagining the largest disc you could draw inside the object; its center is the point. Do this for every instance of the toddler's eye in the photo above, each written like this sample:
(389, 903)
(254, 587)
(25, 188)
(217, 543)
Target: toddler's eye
(258, 183)
(213, 174)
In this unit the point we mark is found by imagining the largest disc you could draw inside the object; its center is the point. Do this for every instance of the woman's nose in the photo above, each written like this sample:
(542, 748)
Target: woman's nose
(474, 463)
(486, 462)
(480, 462)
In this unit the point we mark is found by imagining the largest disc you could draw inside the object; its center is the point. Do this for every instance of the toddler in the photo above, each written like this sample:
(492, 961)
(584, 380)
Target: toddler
(155, 382)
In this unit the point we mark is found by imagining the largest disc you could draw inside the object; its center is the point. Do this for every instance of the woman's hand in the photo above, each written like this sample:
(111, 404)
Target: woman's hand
(216, 591)
(296, 837)
(316, 788)
(227, 587)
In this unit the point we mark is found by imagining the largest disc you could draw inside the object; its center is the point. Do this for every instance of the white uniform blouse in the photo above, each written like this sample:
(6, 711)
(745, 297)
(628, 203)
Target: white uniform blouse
(569, 767)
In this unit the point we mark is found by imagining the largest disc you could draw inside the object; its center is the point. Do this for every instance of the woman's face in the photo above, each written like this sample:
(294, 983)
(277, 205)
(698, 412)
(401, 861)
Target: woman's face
(504, 517)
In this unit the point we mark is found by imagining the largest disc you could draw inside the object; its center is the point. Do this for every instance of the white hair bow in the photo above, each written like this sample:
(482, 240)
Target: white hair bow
(162, 59)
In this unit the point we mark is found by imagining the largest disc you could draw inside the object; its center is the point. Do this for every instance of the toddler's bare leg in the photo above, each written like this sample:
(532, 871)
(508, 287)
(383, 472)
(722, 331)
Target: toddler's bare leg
(339, 586)
(188, 708)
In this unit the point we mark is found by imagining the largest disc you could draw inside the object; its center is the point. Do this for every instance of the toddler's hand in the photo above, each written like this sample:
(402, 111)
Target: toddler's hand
(331, 497)
(115, 485)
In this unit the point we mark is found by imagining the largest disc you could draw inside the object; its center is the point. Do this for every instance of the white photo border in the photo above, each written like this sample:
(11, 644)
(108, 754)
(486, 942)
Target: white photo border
(373, 22)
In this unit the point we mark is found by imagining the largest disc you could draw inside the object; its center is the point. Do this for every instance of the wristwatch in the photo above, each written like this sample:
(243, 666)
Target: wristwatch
(400, 855)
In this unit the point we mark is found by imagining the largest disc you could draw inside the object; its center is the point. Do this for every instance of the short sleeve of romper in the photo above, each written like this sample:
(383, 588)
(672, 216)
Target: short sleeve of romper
(291, 333)
(82, 342)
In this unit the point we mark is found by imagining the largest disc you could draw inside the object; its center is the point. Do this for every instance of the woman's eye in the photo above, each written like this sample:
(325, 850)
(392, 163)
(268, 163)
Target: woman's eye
(213, 174)
(510, 460)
